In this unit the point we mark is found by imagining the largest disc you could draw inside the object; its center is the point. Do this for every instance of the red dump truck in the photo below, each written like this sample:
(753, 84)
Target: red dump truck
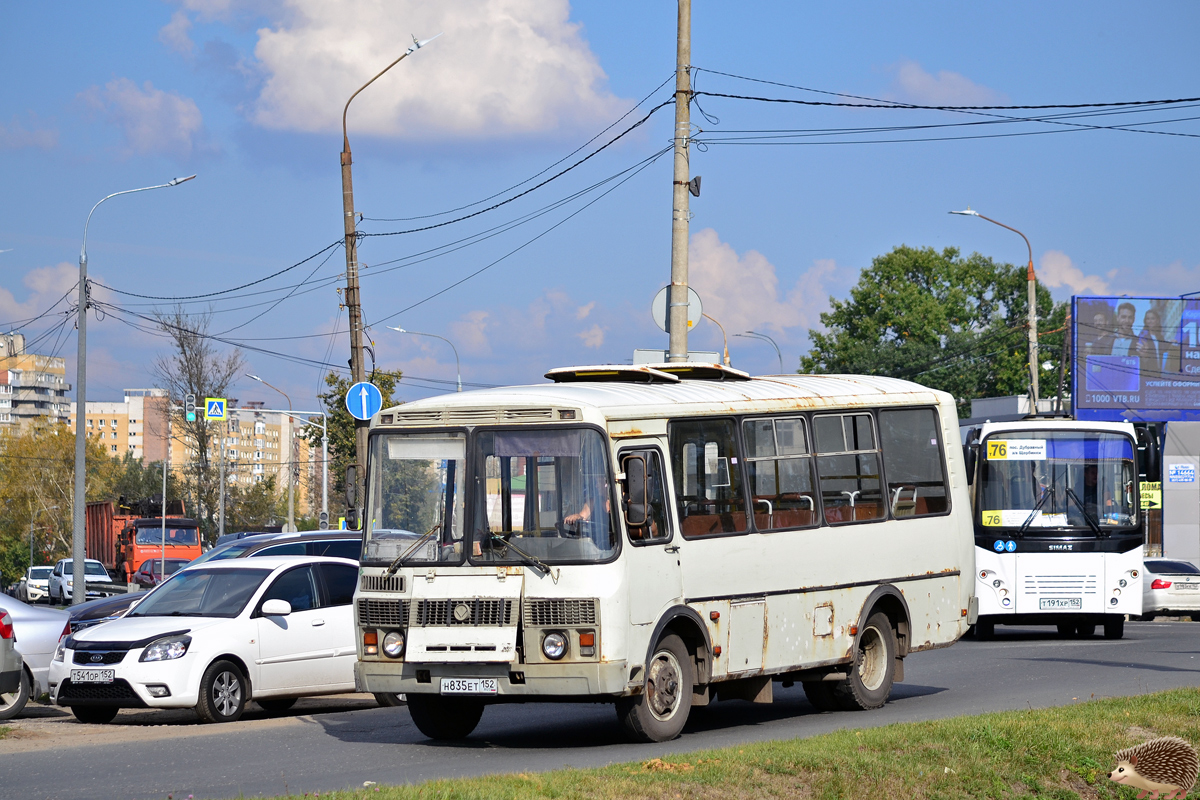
(124, 535)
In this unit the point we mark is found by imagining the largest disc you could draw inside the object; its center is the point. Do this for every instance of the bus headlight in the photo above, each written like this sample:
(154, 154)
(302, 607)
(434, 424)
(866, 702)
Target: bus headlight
(554, 646)
(393, 644)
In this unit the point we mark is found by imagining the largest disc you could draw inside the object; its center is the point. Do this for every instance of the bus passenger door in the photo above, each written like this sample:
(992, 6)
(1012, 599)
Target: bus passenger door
(651, 555)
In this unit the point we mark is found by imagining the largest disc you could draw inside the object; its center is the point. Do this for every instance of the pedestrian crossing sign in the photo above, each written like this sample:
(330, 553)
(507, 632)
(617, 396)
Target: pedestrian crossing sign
(214, 408)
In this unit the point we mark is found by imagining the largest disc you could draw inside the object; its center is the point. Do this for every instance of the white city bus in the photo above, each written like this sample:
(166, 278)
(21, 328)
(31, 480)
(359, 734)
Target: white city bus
(660, 537)
(1058, 533)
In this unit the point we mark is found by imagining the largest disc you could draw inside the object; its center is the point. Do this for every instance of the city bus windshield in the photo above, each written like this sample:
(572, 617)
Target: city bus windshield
(1037, 479)
(415, 495)
(542, 496)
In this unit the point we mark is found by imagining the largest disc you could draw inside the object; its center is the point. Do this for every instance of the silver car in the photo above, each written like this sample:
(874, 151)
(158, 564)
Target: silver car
(1170, 584)
(38, 631)
(14, 683)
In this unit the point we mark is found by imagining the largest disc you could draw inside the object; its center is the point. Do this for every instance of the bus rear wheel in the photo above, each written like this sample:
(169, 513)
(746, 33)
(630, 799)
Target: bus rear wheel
(874, 667)
(444, 718)
(660, 711)
(821, 696)
(1114, 628)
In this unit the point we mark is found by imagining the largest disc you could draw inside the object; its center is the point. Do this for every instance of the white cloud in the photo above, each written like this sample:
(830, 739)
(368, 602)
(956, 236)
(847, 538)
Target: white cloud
(593, 337)
(45, 285)
(743, 292)
(470, 333)
(914, 85)
(1057, 270)
(502, 67)
(152, 121)
(176, 33)
(583, 311)
(16, 136)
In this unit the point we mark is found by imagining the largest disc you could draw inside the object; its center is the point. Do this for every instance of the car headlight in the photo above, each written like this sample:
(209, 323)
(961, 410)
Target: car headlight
(166, 649)
(393, 644)
(70, 581)
(554, 646)
(58, 653)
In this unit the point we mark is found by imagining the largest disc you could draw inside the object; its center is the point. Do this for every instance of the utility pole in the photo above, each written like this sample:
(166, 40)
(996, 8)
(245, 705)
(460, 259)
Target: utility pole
(352, 300)
(677, 296)
(221, 512)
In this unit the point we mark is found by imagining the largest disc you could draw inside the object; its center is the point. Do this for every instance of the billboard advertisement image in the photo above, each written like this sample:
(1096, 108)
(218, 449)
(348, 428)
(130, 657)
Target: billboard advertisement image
(1136, 358)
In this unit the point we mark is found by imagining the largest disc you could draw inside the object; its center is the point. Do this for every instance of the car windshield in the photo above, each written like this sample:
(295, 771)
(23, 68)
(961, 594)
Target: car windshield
(1058, 479)
(203, 593)
(1172, 568)
(231, 550)
(542, 494)
(175, 536)
(40, 573)
(89, 568)
(415, 491)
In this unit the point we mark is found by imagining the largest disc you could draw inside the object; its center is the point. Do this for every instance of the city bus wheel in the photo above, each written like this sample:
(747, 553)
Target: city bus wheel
(444, 718)
(660, 711)
(874, 667)
(1114, 628)
(985, 629)
(1066, 630)
(820, 695)
(1085, 630)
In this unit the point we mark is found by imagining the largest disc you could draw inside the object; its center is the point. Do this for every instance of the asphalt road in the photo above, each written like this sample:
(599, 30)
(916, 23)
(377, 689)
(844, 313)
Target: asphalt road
(339, 743)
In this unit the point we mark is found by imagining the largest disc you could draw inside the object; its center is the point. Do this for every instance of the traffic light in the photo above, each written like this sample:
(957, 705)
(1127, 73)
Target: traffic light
(189, 407)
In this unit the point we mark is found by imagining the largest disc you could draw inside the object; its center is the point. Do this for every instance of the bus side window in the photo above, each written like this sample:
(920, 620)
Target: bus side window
(848, 468)
(656, 528)
(912, 460)
(708, 479)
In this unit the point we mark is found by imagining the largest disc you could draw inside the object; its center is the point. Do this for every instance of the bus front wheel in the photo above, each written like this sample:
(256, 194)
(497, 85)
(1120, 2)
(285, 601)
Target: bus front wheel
(444, 718)
(660, 711)
(874, 667)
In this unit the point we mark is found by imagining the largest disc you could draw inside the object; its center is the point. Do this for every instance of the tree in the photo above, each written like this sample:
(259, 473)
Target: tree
(255, 507)
(195, 366)
(951, 323)
(342, 451)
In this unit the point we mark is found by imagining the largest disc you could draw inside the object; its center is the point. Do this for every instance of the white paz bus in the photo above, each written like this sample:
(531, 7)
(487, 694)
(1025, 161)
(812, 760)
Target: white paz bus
(1058, 531)
(660, 538)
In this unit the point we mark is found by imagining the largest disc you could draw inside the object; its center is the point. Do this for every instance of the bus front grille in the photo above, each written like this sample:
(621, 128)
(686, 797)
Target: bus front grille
(382, 613)
(382, 583)
(1054, 585)
(546, 611)
(471, 611)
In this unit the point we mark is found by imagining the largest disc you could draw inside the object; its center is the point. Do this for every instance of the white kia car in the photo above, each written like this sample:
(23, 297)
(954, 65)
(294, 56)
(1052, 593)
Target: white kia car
(216, 636)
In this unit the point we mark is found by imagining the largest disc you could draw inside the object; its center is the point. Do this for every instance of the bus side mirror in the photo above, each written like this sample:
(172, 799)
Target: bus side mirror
(971, 454)
(636, 490)
(352, 486)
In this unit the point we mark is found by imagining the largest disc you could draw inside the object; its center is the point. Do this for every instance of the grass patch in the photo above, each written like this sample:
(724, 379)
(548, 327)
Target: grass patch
(1055, 753)
(5, 730)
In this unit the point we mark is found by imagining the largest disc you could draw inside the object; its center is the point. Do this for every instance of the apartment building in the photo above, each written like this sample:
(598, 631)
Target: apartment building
(33, 388)
(136, 425)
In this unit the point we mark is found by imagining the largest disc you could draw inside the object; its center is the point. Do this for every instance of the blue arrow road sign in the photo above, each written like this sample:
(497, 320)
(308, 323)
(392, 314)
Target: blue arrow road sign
(363, 400)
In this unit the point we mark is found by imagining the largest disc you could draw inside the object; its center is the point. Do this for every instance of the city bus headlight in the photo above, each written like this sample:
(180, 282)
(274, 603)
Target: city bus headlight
(554, 646)
(393, 644)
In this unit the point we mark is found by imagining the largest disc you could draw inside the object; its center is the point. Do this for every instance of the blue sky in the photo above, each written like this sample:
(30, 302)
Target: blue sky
(102, 97)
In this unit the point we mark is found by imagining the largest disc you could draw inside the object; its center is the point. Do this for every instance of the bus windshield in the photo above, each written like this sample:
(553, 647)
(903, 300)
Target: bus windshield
(542, 494)
(1078, 480)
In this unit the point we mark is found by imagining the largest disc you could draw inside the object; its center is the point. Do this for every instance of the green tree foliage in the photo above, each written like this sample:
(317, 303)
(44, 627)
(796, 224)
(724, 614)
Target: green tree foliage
(948, 322)
(255, 507)
(341, 429)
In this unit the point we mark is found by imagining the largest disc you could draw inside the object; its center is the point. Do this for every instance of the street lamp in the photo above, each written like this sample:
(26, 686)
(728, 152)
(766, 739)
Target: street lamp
(353, 303)
(80, 497)
(1031, 282)
(291, 466)
(457, 364)
(763, 336)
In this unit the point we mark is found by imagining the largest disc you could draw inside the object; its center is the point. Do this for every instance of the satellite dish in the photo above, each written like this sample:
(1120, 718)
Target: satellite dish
(658, 309)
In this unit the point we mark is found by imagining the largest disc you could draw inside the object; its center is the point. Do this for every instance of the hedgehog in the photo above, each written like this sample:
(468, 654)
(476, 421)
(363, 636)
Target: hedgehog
(1168, 765)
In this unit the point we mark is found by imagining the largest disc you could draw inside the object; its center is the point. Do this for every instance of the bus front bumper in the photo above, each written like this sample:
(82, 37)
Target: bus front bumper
(512, 680)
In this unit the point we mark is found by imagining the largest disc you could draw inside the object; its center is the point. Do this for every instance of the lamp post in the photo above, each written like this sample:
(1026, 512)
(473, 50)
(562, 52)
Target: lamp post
(291, 465)
(764, 337)
(457, 363)
(80, 497)
(304, 418)
(353, 303)
(1031, 282)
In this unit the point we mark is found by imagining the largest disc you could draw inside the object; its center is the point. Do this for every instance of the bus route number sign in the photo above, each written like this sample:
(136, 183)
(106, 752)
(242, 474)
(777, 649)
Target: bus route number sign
(1016, 449)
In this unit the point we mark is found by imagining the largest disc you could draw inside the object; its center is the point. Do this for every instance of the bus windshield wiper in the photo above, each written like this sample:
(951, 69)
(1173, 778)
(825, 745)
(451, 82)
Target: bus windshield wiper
(1036, 508)
(532, 561)
(395, 565)
(1091, 522)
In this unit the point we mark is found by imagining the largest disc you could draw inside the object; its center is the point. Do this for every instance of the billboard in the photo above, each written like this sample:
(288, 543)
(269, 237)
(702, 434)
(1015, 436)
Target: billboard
(1136, 358)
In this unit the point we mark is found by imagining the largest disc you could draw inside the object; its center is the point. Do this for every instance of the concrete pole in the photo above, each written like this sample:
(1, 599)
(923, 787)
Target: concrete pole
(163, 511)
(221, 513)
(353, 304)
(1031, 282)
(79, 508)
(677, 295)
(325, 463)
